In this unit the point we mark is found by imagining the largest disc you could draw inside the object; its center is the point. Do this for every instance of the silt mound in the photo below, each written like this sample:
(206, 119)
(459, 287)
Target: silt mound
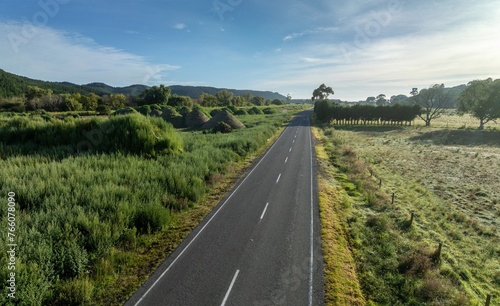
(226, 117)
(196, 118)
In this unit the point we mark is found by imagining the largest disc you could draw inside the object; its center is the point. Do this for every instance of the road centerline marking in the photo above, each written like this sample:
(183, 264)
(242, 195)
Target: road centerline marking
(286, 159)
(311, 266)
(230, 288)
(264, 212)
(290, 149)
(143, 296)
(279, 176)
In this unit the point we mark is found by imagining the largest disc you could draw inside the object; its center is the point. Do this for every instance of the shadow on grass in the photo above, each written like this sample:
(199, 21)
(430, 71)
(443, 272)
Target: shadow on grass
(369, 128)
(461, 137)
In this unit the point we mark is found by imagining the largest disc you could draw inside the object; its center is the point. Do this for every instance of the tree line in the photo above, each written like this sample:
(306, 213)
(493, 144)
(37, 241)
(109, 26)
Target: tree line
(480, 98)
(34, 98)
(327, 111)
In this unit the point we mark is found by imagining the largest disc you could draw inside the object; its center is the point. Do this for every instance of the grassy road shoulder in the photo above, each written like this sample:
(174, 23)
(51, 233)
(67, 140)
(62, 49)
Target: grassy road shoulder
(341, 281)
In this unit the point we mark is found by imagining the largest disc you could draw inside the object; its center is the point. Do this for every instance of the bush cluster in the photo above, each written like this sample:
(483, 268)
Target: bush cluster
(74, 210)
(129, 134)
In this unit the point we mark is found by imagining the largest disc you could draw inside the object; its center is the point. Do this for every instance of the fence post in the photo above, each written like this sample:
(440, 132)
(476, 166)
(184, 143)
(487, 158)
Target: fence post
(411, 217)
(393, 196)
(380, 184)
(488, 300)
(437, 256)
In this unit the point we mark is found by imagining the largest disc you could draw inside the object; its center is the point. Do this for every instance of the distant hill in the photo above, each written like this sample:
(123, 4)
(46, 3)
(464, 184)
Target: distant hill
(12, 85)
(196, 91)
(133, 90)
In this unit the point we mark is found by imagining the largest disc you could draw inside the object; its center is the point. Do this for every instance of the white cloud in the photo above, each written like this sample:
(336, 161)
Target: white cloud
(310, 32)
(180, 26)
(53, 55)
(452, 49)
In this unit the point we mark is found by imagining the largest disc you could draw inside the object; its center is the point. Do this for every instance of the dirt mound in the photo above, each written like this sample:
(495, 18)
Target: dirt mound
(226, 117)
(155, 113)
(196, 118)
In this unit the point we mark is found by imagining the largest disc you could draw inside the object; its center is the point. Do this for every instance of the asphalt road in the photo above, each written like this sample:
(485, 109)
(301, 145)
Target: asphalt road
(260, 245)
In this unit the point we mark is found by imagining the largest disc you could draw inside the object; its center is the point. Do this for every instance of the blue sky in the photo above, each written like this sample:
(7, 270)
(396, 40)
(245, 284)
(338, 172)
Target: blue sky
(360, 48)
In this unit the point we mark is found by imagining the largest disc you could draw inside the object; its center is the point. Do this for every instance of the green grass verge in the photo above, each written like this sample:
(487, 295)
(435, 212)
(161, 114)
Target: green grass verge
(340, 278)
(397, 261)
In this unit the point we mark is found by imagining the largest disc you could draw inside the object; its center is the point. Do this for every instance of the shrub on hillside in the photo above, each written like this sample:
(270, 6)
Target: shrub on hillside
(132, 134)
(255, 111)
(222, 127)
(269, 111)
(138, 134)
(150, 218)
(125, 111)
(144, 109)
(241, 112)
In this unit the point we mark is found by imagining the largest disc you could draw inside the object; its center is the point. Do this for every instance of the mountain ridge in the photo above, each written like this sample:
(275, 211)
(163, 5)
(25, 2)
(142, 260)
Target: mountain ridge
(12, 85)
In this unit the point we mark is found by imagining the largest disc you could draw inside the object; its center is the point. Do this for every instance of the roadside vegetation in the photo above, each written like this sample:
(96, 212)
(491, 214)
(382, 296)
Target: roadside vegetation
(102, 201)
(420, 207)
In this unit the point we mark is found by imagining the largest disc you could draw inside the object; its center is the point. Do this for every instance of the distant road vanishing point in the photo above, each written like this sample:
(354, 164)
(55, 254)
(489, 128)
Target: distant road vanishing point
(260, 245)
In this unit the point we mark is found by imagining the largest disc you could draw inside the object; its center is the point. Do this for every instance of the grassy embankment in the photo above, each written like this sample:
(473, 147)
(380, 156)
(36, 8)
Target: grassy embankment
(445, 176)
(101, 202)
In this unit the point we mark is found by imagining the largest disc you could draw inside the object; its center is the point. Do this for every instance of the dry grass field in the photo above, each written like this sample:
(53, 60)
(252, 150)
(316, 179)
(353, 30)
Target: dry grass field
(448, 175)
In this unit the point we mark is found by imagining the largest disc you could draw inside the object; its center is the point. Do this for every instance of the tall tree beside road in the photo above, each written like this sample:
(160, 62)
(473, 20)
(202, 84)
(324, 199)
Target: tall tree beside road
(433, 102)
(481, 98)
(322, 92)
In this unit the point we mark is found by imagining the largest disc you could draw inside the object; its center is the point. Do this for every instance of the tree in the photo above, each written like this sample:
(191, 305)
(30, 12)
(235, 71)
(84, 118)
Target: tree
(481, 99)
(34, 92)
(258, 101)
(224, 97)
(433, 102)
(381, 100)
(399, 99)
(371, 100)
(155, 95)
(207, 100)
(239, 101)
(117, 101)
(322, 92)
(176, 100)
(71, 102)
(90, 102)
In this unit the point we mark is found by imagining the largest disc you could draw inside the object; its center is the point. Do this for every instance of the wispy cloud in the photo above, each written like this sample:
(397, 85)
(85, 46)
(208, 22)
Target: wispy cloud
(59, 56)
(293, 36)
(395, 62)
(180, 26)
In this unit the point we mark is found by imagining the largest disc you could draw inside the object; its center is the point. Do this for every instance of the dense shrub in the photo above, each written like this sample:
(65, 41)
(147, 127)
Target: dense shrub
(132, 134)
(241, 112)
(75, 292)
(125, 111)
(150, 218)
(222, 127)
(75, 211)
(144, 109)
(269, 110)
(255, 111)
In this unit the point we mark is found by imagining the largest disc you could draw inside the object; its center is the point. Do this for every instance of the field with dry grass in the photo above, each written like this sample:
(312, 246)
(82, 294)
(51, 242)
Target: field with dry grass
(447, 175)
